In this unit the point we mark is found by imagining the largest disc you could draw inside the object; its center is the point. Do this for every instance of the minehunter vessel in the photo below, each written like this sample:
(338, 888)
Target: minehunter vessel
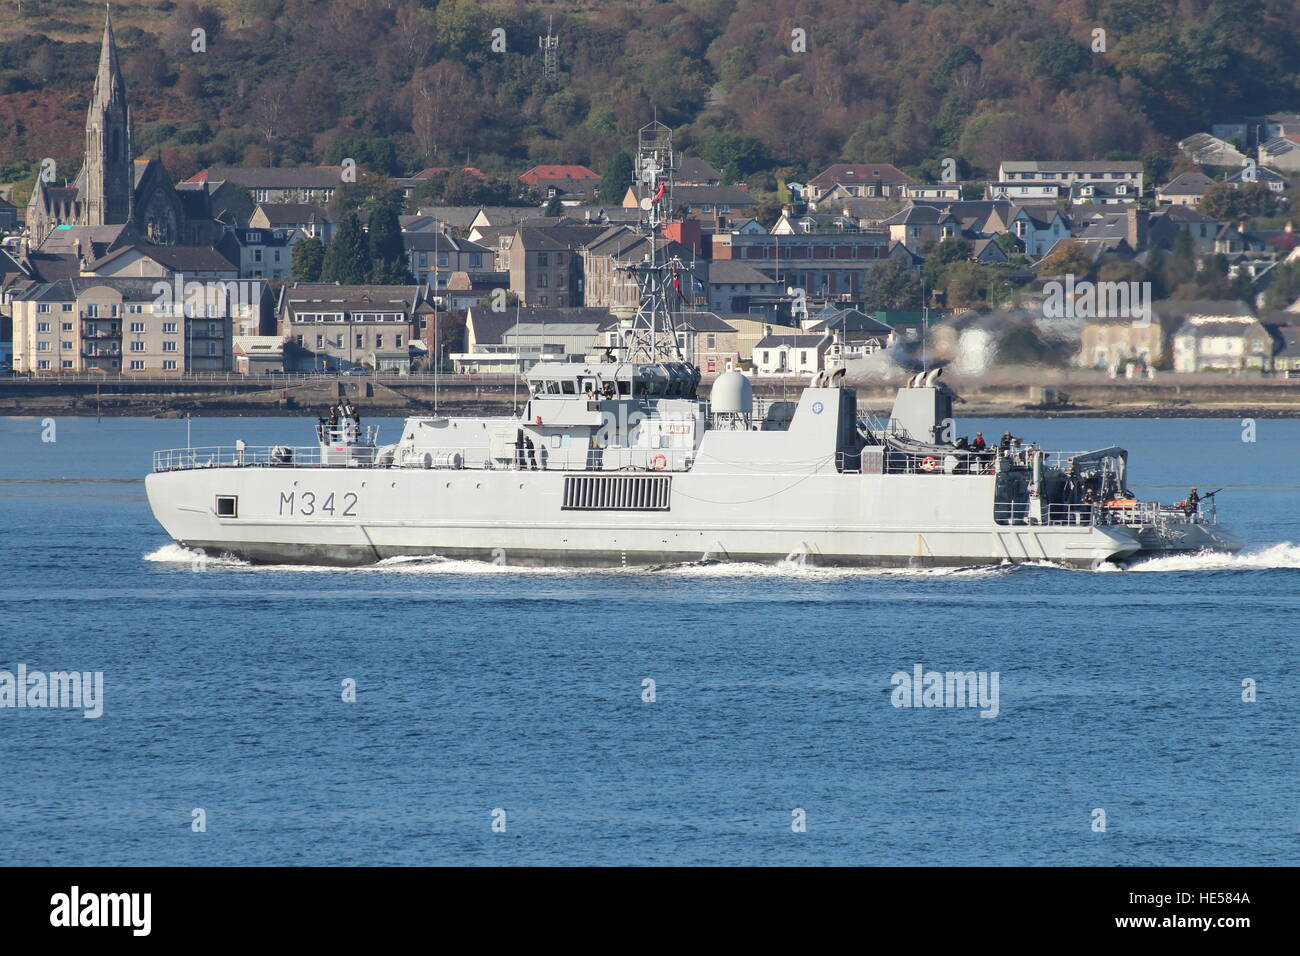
(618, 461)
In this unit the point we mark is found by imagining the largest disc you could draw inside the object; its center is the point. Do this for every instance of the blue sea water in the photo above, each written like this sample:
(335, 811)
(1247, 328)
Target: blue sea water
(482, 688)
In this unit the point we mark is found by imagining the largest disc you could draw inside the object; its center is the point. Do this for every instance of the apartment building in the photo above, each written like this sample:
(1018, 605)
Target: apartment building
(133, 325)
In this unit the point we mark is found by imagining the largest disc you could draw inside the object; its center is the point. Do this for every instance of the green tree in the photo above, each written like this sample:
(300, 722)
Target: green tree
(892, 285)
(958, 56)
(376, 154)
(347, 257)
(307, 259)
(1284, 289)
(1058, 59)
(746, 153)
(940, 255)
(1068, 258)
(618, 177)
(554, 208)
(1228, 202)
(384, 236)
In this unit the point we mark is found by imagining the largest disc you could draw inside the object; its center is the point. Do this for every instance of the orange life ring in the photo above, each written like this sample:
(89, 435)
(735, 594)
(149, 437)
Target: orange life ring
(1121, 503)
(929, 463)
(658, 462)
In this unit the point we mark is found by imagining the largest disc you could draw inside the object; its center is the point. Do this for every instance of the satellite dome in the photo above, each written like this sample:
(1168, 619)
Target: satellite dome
(732, 393)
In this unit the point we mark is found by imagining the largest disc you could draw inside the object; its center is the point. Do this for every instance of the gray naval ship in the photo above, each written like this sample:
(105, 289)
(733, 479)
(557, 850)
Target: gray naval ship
(617, 460)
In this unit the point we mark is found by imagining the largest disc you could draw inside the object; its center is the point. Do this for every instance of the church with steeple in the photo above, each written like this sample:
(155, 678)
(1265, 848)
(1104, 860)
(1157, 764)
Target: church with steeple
(113, 188)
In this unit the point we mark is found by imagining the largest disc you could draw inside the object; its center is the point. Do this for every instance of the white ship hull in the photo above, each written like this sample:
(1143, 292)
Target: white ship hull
(353, 516)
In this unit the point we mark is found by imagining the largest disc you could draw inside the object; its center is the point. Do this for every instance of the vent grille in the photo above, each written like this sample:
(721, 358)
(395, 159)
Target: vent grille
(616, 492)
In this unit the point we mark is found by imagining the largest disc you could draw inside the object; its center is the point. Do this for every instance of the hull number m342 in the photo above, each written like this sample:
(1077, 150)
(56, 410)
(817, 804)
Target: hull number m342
(305, 504)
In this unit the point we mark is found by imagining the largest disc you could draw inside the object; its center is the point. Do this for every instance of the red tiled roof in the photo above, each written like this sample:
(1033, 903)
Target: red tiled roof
(541, 174)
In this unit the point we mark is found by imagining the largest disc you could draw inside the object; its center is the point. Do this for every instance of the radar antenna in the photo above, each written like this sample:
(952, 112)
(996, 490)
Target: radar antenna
(651, 335)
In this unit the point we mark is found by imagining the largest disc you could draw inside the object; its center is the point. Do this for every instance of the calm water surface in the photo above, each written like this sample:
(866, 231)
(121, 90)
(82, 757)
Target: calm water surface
(481, 688)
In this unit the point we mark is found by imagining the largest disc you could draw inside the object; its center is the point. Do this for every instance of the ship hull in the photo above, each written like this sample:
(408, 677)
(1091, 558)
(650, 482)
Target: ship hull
(358, 516)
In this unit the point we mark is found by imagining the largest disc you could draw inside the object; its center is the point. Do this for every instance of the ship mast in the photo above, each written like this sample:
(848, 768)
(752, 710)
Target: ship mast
(651, 336)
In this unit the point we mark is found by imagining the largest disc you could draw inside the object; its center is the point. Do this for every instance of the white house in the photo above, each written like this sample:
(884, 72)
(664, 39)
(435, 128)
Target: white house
(799, 355)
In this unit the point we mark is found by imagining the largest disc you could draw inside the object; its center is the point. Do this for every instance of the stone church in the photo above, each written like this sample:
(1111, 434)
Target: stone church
(114, 188)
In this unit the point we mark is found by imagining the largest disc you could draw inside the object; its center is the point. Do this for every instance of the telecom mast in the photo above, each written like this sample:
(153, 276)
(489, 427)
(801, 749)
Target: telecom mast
(550, 46)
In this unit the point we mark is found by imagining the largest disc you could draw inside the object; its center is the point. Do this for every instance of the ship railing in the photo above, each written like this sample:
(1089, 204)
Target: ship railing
(260, 456)
(1122, 512)
(907, 463)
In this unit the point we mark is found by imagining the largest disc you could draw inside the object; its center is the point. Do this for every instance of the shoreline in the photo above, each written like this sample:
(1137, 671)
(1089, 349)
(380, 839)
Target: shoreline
(397, 398)
(505, 409)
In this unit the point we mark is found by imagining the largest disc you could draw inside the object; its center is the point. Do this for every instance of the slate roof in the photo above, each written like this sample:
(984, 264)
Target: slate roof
(1187, 184)
(734, 272)
(856, 173)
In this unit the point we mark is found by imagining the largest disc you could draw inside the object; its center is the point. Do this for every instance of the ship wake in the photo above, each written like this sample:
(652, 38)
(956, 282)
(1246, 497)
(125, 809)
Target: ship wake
(1279, 556)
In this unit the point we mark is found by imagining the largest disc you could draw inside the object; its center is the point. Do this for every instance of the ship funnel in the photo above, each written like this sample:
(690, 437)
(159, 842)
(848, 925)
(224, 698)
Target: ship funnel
(933, 377)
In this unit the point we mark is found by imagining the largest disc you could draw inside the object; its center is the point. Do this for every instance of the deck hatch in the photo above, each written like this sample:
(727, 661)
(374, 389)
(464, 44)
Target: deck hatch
(616, 492)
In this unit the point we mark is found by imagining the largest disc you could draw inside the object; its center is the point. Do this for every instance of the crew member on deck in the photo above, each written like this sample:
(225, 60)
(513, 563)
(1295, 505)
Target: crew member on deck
(1193, 503)
(978, 444)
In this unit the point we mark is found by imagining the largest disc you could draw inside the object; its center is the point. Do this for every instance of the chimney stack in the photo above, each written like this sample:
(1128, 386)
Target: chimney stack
(1136, 234)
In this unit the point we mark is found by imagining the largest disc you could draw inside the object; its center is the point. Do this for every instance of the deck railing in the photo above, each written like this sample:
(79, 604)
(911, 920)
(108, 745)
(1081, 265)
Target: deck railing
(1129, 513)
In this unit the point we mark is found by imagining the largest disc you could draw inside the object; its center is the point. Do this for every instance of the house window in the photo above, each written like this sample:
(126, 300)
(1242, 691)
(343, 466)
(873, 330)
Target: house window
(379, 340)
(475, 260)
(42, 326)
(398, 343)
(137, 326)
(42, 346)
(212, 348)
(767, 358)
(137, 365)
(66, 326)
(66, 346)
(66, 307)
(137, 346)
(542, 259)
(168, 326)
(361, 340)
(169, 346)
(42, 307)
(169, 365)
(66, 363)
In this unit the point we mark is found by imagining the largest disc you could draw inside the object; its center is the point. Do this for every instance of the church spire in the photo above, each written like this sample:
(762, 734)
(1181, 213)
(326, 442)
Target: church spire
(109, 87)
(109, 182)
